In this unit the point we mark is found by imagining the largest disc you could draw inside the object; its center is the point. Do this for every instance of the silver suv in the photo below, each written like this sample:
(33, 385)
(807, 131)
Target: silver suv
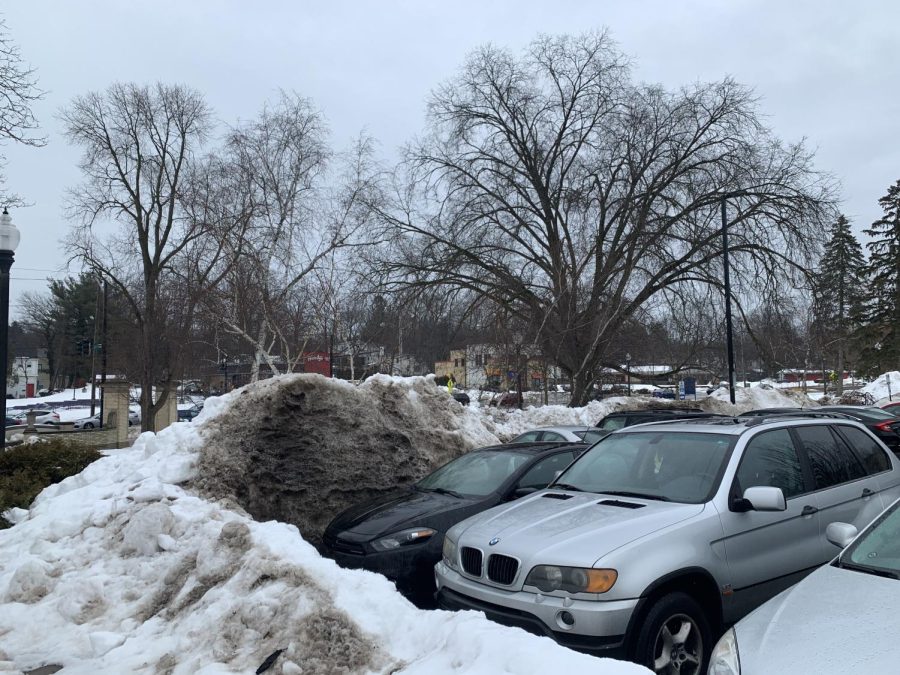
(662, 535)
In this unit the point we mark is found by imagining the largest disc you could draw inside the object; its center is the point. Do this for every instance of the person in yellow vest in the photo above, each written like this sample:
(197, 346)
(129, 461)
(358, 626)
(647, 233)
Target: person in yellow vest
(450, 385)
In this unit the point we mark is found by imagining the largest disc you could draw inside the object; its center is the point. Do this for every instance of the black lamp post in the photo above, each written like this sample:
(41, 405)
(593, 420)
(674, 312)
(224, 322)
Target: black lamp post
(729, 338)
(9, 239)
(628, 371)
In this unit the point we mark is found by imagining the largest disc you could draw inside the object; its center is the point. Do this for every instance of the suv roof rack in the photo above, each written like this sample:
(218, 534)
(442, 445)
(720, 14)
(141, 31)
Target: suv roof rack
(761, 419)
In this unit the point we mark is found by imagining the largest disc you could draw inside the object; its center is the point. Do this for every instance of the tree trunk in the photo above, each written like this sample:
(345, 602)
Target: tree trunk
(839, 382)
(582, 388)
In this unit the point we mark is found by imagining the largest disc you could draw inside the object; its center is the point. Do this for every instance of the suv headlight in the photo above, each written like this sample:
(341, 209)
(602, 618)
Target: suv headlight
(725, 659)
(449, 552)
(550, 578)
(413, 535)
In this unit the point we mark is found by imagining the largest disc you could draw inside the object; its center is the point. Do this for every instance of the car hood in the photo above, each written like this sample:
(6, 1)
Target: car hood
(578, 529)
(399, 510)
(834, 621)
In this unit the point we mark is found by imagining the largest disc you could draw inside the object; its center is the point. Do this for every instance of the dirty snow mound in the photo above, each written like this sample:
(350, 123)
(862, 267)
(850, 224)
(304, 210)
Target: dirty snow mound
(121, 569)
(302, 448)
(751, 398)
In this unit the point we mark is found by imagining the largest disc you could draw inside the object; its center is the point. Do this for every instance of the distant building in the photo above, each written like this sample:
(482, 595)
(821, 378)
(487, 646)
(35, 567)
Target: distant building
(28, 376)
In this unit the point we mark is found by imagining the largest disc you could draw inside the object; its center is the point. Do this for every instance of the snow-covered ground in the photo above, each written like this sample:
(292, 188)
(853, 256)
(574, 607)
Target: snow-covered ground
(884, 387)
(123, 569)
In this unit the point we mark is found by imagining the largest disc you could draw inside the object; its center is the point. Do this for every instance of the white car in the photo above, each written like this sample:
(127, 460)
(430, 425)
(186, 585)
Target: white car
(841, 619)
(42, 416)
(566, 432)
(88, 422)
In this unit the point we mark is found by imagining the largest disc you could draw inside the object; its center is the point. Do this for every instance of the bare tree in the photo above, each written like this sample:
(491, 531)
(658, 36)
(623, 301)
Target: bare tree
(18, 93)
(560, 190)
(150, 217)
(302, 212)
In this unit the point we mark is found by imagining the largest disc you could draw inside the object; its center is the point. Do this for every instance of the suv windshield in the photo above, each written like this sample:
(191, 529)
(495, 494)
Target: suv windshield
(477, 473)
(668, 465)
(878, 549)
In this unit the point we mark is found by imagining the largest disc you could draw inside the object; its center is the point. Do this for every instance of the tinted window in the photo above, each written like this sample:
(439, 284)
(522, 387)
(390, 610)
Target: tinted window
(546, 470)
(527, 437)
(873, 457)
(613, 423)
(477, 473)
(832, 462)
(771, 460)
(552, 436)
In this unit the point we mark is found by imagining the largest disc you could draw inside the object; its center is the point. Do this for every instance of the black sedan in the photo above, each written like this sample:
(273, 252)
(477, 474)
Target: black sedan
(400, 535)
(880, 422)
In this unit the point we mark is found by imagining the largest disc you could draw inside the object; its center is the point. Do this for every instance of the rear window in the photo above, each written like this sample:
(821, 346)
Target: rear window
(613, 423)
(832, 462)
(874, 459)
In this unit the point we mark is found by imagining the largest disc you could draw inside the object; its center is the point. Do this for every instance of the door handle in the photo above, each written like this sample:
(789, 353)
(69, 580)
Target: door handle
(867, 493)
(809, 510)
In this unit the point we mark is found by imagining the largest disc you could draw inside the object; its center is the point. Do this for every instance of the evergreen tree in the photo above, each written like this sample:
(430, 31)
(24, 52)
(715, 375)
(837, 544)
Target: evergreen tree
(839, 293)
(880, 335)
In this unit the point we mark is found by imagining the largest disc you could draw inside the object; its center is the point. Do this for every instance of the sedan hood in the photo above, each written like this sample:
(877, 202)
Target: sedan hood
(397, 511)
(834, 621)
(571, 529)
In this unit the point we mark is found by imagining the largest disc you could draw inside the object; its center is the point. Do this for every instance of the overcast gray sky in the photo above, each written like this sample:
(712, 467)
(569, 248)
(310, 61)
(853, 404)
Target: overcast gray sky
(825, 70)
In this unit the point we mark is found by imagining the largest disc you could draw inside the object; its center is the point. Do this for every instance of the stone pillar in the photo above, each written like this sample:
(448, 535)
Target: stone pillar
(168, 414)
(115, 409)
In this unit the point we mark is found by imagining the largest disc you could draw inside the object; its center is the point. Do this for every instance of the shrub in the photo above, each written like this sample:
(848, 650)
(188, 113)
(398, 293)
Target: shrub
(28, 468)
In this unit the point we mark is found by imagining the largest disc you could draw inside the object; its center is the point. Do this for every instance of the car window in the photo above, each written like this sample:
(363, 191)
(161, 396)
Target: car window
(771, 460)
(878, 548)
(613, 423)
(680, 466)
(874, 459)
(546, 470)
(594, 435)
(527, 437)
(552, 436)
(832, 462)
(476, 473)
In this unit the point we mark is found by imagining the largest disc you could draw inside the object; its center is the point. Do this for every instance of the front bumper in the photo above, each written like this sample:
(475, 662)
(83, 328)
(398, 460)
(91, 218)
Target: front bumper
(411, 568)
(598, 628)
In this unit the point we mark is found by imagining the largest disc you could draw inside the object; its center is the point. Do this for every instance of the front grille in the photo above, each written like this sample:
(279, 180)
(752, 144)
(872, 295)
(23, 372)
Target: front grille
(342, 546)
(502, 569)
(471, 560)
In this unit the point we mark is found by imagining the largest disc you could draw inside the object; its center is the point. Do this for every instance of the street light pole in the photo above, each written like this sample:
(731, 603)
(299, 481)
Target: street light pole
(628, 371)
(729, 338)
(9, 239)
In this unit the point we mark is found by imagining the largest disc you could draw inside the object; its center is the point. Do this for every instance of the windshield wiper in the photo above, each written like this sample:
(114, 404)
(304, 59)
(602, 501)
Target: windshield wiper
(639, 495)
(445, 491)
(868, 570)
(566, 486)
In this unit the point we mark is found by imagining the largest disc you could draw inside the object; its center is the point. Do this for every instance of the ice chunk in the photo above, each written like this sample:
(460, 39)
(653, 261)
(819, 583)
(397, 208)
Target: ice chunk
(141, 534)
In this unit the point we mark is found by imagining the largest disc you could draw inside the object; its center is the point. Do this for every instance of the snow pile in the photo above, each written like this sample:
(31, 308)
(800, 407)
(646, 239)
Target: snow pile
(752, 398)
(879, 387)
(302, 448)
(509, 423)
(122, 569)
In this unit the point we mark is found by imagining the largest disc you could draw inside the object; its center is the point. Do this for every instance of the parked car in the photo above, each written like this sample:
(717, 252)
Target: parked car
(88, 422)
(508, 400)
(134, 417)
(627, 418)
(400, 535)
(574, 433)
(840, 619)
(41, 416)
(880, 422)
(660, 535)
(892, 407)
(187, 414)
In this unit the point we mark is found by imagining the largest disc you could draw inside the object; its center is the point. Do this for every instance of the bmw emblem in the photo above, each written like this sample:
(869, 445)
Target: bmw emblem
(495, 540)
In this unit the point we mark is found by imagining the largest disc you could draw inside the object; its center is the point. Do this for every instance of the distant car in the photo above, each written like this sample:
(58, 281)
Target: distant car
(12, 421)
(570, 432)
(400, 534)
(187, 414)
(41, 416)
(88, 422)
(817, 626)
(461, 397)
(893, 408)
(628, 418)
(134, 417)
(508, 400)
(664, 393)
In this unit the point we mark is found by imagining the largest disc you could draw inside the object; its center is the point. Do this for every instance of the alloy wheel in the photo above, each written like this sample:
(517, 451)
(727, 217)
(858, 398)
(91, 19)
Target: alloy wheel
(679, 647)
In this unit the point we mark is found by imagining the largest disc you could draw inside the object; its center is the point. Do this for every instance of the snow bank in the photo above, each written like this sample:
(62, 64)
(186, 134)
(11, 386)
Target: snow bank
(751, 398)
(302, 448)
(878, 388)
(123, 569)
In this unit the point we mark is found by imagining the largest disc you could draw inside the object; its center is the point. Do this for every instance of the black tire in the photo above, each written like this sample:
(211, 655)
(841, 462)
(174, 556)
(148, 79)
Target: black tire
(669, 616)
(88, 425)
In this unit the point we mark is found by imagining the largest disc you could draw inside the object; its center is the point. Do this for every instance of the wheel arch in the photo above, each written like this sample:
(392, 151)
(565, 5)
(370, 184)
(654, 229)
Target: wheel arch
(696, 582)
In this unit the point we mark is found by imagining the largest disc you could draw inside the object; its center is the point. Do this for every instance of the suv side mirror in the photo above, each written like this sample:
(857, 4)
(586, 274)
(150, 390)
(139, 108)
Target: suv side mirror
(840, 534)
(765, 498)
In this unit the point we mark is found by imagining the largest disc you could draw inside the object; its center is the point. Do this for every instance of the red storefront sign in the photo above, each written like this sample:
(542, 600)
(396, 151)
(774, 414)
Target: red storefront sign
(317, 362)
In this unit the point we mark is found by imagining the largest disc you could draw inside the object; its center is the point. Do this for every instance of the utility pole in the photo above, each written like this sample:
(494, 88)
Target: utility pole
(729, 339)
(103, 348)
(94, 352)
